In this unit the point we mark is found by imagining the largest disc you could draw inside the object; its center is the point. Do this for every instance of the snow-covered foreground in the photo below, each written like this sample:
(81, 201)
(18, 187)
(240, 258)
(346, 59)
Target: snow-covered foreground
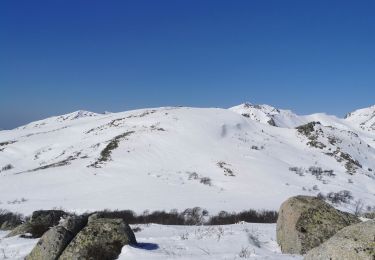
(15, 248)
(239, 241)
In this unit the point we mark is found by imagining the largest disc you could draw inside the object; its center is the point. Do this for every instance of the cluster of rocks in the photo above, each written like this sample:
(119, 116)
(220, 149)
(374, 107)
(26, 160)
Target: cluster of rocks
(310, 226)
(68, 237)
(305, 225)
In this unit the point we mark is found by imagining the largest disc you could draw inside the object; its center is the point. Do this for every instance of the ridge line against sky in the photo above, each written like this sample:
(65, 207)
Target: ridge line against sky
(62, 56)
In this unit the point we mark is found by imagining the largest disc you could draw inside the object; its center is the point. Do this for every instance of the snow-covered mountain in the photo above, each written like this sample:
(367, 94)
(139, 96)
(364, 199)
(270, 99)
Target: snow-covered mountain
(248, 156)
(364, 118)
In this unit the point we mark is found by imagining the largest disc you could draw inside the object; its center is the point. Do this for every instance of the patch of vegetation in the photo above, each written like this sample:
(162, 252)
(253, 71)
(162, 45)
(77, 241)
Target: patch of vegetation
(17, 201)
(206, 181)
(147, 112)
(114, 123)
(4, 144)
(190, 216)
(351, 165)
(333, 140)
(309, 131)
(316, 144)
(246, 115)
(64, 162)
(369, 213)
(245, 252)
(255, 147)
(9, 220)
(227, 170)
(7, 143)
(316, 171)
(251, 216)
(203, 180)
(105, 154)
(7, 167)
(343, 196)
(271, 122)
(156, 128)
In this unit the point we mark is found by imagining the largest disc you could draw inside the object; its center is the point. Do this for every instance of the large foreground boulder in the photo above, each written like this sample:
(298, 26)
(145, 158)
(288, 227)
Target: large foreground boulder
(356, 242)
(51, 244)
(39, 223)
(56, 239)
(101, 239)
(305, 222)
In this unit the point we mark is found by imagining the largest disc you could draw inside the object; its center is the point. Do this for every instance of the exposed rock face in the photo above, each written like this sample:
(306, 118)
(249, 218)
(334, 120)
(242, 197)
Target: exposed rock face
(305, 222)
(51, 244)
(56, 239)
(39, 223)
(100, 239)
(356, 242)
(21, 230)
(74, 224)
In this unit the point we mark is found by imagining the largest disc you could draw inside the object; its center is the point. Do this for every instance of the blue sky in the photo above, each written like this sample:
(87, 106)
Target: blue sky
(64, 55)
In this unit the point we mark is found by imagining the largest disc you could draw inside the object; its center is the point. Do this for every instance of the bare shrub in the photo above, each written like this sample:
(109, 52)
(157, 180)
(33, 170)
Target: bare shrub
(251, 216)
(7, 167)
(343, 196)
(11, 219)
(359, 205)
(245, 252)
(206, 181)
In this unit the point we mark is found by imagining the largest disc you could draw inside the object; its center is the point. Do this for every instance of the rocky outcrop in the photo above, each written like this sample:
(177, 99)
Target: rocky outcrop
(305, 222)
(39, 223)
(51, 244)
(100, 239)
(55, 240)
(356, 242)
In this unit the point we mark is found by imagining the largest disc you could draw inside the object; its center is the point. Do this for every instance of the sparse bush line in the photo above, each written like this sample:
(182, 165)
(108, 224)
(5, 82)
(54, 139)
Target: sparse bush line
(188, 217)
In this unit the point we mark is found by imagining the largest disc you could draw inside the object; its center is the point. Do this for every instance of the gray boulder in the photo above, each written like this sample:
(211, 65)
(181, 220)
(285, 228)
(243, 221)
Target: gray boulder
(56, 239)
(74, 224)
(51, 244)
(22, 229)
(101, 239)
(356, 242)
(305, 222)
(39, 223)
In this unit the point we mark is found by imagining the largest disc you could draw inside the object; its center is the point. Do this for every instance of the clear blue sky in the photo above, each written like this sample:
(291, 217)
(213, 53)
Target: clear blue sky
(57, 56)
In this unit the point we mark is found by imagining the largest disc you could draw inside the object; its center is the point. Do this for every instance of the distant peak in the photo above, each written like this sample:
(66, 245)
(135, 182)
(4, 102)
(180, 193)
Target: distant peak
(362, 112)
(76, 115)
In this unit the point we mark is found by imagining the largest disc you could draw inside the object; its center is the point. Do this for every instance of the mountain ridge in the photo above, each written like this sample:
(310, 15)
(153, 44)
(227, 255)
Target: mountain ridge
(226, 160)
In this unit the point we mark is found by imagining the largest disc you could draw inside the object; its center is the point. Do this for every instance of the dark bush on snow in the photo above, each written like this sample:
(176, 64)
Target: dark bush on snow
(10, 219)
(343, 196)
(190, 216)
(252, 216)
(157, 217)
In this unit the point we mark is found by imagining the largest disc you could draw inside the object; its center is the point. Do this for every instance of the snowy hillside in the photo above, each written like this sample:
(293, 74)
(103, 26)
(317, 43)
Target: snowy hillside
(248, 156)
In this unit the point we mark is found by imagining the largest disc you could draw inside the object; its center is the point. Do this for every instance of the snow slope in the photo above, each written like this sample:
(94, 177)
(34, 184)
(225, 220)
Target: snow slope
(180, 157)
